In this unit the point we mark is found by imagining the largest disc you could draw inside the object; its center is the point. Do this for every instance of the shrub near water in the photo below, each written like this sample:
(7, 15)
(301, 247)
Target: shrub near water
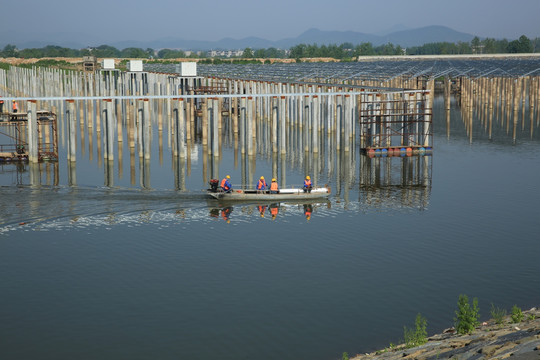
(517, 314)
(418, 336)
(466, 316)
(497, 314)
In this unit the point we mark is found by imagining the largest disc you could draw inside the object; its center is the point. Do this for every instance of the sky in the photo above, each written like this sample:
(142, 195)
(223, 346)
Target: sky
(99, 22)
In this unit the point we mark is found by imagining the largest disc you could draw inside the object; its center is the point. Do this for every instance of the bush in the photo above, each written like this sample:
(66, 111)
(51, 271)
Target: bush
(517, 314)
(345, 356)
(466, 316)
(497, 314)
(418, 336)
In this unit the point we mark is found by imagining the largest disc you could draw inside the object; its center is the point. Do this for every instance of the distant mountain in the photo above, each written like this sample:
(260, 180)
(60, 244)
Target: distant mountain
(424, 35)
(404, 38)
(393, 29)
(319, 37)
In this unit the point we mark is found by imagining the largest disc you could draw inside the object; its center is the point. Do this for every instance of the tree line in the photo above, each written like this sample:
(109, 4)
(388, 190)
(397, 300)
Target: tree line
(345, 51)
(476, 46)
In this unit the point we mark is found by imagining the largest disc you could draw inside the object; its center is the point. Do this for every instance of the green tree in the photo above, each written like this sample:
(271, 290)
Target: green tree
(31, 53)
(366, 49)
(274, 53)
(490, 45)
(536, 44)
(475, 45)
(298, 51)
(106, 51)
(248, 53)
(170, 54)
(522, 45)
(132, 52)
(9, 51)
(525, 44)
(463, 48)
(312, 51)
(259, 53)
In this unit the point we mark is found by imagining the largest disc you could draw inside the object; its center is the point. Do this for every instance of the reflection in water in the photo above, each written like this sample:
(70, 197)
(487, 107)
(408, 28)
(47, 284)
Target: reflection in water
(34, 174)
(495, 108)
(308, 209)
(262, 209)
(271, 211)
(226, 213)
(402, 181)
(88, 208)
(274, 210)
(396, 181)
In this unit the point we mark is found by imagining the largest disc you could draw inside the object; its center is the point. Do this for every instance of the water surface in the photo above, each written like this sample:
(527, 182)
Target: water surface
(140, 267)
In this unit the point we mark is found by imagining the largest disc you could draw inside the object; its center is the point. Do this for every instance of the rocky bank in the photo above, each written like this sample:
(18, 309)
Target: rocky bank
(519, 341)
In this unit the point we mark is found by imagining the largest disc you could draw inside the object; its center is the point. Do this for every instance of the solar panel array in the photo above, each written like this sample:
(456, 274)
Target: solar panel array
(382, 70)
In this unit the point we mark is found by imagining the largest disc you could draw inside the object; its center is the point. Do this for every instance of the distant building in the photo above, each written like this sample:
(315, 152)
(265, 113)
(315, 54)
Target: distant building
(225, 53)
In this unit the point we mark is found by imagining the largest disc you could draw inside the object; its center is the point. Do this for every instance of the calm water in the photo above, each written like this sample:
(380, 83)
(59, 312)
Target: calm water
(139, 265)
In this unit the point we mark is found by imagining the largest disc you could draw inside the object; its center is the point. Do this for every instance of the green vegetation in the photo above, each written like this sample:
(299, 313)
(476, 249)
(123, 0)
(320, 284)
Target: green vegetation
(345, 356)
(466, 315)
(497, 314)
(49, 63)
(522, 45)
(466, 321)
(517, 314)
(170, 54)
(417, 336)
(344, 52)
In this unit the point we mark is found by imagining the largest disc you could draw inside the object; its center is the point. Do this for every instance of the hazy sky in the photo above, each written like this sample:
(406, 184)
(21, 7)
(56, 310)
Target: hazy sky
(104, 21)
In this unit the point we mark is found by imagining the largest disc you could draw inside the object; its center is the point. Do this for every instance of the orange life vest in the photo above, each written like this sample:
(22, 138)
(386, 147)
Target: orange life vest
(261, 185)
(15, 106)
(223, 185)
(274, 186)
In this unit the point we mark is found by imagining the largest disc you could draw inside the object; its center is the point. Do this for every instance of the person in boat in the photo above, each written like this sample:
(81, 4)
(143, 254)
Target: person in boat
(307, 184)
(226, 184)
(274, 188)
(261, 185)
(15, 106)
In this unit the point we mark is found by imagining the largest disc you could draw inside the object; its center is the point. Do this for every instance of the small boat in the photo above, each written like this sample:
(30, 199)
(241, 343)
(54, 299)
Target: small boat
(264, 195)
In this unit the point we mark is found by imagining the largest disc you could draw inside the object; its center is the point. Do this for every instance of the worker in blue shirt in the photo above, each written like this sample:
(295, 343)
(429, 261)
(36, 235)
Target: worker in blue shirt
(226, 184)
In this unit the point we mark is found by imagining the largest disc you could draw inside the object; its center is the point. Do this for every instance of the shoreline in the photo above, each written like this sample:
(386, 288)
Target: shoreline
(520, 341)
